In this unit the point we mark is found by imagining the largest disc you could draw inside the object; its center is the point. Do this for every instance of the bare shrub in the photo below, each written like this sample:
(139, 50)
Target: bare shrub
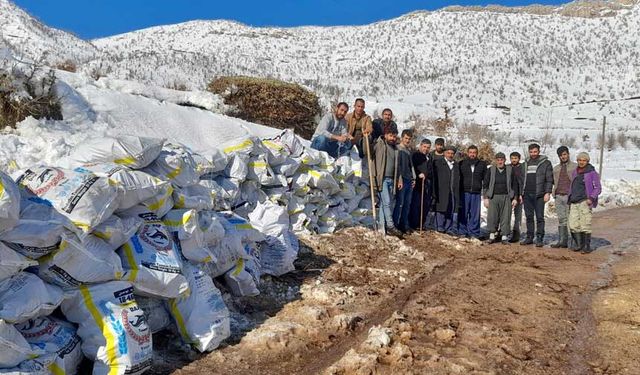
(548, 139)
(67, 65)
(636, 141)
(622, 139)
(612, 142)
(431, 126)
(179, 86)
(569, 141)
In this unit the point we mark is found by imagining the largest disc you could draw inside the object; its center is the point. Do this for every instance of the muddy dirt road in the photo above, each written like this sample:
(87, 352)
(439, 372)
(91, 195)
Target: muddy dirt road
(362, 304)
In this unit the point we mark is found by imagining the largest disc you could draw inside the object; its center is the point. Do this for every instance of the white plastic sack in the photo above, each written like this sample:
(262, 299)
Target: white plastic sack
(237, 167)
(236, 225)
(201, 316)
(25, 296)
(288, 168)
(227, 253)
(242, 146)
(78, 194)
(45, 364)
(240, 282)
(211, 225)
(14, 349)
(226, 191)
(115, 231)
(150, 258)
(196, 196)
(156, 315)
(34, 238)
(260, 171)
(185, 226)
(277, 152)
(133, 186)
(131, 151)
(214, 162)
(12, 262)
(54, 336)
(292, 142)
(112, 327)
(9, 203)
(80, 262)
(278, 255)
(175, 164)
(161, 203)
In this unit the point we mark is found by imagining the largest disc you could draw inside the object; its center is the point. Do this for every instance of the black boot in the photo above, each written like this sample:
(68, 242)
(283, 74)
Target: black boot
(515, 236)
(586, 245)
(528, 240)
(563, 238)
(577, 241)
(539, 241)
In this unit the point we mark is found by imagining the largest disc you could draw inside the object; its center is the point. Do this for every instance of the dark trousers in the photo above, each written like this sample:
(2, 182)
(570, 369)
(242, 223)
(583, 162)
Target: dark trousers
(469, 217)
(534, 211)
(517, 215)
(445, 220)
(414, 215)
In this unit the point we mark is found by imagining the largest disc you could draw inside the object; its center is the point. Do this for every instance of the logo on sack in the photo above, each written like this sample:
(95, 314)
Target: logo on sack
(136, 325)
(155, 236)
(47, 179)
(35, 328)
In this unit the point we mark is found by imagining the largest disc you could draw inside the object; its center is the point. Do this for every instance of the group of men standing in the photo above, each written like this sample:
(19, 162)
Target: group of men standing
(436, 189)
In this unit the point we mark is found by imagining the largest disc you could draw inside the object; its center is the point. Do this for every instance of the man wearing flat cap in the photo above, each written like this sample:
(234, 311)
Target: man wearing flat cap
(446, 191)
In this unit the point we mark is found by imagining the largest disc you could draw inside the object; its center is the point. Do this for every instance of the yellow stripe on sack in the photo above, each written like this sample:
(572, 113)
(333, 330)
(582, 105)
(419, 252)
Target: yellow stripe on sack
(111, 347)
(103, 235)
(174, 173)
(128, 252)
(85, 227)
(13, 164)
(239, 267)
(258, 164)
(177, 223)
(180, 203)
(273, 145)
(173, 306)
(293, 212)
(160, 202)
(237, 147)
(56, 370)
(315, 174)
(129, 160)
(244, 226)
(1, 189)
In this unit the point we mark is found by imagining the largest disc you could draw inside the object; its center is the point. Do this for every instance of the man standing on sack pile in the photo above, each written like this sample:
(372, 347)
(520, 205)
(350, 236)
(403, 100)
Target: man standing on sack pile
(472, 175)
(423, 165)
(388, 178)
(331, 134)
(538, 185)
(562, 177)
(358, 125)
(446, 191)
(500, 196)
(408, 177)
(583, 197)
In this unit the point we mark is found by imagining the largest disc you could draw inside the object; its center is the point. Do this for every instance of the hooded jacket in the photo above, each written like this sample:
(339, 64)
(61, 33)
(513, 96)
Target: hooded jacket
(544, 176)
(591, 182)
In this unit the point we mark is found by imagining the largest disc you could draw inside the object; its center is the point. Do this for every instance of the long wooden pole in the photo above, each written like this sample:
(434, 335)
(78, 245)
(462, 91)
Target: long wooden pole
(604, 131)
(370, 170)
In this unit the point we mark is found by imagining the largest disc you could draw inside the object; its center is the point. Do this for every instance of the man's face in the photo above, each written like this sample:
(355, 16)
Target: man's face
(359, 108)
(386, 116)
(341, 112)
(449, 154)
(406, 140)
(439, 148)
(515, 160)
(424, 148)
(500, 162)
(534, 153)
(582, 163)
(391, 138)
(564, 157)
(472, 153)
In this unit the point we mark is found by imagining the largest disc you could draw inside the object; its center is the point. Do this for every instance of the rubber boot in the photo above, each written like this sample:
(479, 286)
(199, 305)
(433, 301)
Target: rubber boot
(577, 241)
(563, 238)
(586, 245)
(539, 241)
(515, 236)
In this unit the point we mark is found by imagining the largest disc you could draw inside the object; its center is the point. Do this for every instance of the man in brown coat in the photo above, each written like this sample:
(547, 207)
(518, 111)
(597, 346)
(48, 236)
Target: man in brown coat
(358, 125)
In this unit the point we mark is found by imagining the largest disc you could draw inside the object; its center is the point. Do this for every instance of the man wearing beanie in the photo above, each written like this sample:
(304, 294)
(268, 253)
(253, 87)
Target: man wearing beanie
(538, 186)
(500, 196)
(583, 198)
(562, 177)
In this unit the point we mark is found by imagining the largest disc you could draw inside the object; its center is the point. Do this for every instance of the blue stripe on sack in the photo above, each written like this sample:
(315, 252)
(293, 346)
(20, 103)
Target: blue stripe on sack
(136, 244)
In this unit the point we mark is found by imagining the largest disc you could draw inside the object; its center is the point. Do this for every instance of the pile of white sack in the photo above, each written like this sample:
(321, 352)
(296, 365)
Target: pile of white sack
(125, 237)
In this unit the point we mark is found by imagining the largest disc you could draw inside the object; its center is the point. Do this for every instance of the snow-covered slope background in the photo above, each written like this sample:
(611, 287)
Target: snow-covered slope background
(518, 71)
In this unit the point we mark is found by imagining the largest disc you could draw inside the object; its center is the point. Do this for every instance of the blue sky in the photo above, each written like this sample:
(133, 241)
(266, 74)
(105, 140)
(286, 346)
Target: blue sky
(97, 18)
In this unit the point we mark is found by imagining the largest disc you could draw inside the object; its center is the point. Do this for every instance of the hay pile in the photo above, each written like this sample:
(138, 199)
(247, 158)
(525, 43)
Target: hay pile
(270, 102)
(22, 96)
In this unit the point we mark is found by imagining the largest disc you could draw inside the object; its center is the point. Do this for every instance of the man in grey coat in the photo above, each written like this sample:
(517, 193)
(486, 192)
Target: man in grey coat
(331, 134)
(538, 186)
(500, 189)
(562, 178)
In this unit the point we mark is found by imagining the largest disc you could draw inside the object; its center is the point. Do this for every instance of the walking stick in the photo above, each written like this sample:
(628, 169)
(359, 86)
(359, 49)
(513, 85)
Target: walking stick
(422, 206)
(373, 199)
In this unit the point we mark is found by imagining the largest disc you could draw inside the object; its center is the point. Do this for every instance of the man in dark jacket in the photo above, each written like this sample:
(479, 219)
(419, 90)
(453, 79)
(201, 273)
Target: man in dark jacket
(472, 175)
(386, 178)
(538, 185)
(518, 174)
(499, 190)
(407, 174)
(446, 191)
(380, 124)
(423, 165)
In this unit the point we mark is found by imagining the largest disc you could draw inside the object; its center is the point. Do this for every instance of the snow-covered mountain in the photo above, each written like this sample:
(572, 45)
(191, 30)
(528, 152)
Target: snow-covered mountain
(29, 39)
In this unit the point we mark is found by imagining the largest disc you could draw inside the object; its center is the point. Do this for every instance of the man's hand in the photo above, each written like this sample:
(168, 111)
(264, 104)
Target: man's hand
(486, 202)
(400, 184)
(421, 175)
(520, 199)
(514, 203)
(547, 196)
(413, 184)
(589, 202)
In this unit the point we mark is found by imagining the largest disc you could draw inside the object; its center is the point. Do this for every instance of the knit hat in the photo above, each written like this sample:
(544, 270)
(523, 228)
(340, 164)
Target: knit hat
(583, 155)
(500, 155)
(562, 149)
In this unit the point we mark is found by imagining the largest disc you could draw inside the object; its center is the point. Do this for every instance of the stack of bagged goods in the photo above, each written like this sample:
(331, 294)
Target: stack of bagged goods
(130, 236)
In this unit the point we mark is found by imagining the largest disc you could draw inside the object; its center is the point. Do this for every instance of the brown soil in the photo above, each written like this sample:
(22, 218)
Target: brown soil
(440, 305)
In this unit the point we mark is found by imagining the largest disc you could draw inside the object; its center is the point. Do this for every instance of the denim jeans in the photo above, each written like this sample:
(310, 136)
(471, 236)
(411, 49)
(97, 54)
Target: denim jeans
(534, 211)
(386, 203)
(331, 147)
(403, 205)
